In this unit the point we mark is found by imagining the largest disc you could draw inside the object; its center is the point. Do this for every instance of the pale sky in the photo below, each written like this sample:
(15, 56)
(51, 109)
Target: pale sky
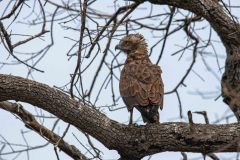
(57, 69)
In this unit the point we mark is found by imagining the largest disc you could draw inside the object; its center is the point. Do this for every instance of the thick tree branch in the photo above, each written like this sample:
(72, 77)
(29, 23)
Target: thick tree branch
(229, 32)
(132, 142)
(31, 123)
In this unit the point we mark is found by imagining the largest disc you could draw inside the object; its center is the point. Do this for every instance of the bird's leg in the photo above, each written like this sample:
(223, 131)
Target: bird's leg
(131, 114)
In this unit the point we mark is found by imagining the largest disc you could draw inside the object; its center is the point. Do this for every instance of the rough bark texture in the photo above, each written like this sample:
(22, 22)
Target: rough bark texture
(132, 142)
(30, 122)
(229, 32)
(135, 142)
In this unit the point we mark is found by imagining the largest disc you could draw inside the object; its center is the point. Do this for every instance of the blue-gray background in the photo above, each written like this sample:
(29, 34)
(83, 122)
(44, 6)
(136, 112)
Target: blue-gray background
(57, 69)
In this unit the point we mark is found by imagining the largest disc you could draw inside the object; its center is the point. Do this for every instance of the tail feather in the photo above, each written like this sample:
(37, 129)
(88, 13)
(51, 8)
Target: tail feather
(149, 113)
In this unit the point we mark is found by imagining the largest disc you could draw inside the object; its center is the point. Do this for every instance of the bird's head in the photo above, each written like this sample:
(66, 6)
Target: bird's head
(132, 43)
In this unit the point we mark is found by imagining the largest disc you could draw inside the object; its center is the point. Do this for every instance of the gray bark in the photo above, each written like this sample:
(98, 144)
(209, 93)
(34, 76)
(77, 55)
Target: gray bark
(132, 142)
(229, 32)
(135, 142)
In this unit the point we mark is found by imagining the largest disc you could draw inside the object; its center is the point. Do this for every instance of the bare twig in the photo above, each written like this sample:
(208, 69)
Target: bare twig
(31, 123)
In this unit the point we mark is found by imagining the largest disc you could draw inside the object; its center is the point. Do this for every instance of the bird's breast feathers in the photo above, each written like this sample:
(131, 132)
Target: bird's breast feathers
(142, 84)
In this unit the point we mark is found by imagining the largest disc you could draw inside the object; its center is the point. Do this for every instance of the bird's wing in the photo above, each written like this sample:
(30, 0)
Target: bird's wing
(141, 84)
(157, 87)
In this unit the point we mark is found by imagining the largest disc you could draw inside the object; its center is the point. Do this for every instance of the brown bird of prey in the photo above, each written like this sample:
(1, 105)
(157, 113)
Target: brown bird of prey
(141, 86)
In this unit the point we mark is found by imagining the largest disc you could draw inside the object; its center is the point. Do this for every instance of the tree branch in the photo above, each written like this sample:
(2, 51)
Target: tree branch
(229, 32)
(213, 12)
(132, 142)
(31, 123)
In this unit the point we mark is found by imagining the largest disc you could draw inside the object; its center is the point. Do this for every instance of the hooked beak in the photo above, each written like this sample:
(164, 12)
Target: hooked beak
(117, 47)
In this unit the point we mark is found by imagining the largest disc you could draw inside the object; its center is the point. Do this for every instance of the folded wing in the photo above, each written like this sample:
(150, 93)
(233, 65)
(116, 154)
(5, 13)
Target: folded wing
(141, 85)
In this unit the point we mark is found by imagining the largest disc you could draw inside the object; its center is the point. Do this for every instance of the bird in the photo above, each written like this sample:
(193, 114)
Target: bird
(140, 85)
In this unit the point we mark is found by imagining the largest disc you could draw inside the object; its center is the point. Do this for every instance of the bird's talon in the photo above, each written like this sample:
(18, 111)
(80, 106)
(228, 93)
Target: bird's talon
(133, 124)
